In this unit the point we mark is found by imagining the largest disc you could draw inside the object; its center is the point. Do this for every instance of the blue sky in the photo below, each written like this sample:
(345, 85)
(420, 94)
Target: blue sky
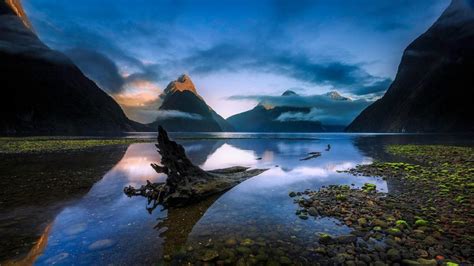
(133, 49)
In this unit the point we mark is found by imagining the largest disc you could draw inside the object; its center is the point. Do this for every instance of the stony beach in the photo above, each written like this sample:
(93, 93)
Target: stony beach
(427, 220)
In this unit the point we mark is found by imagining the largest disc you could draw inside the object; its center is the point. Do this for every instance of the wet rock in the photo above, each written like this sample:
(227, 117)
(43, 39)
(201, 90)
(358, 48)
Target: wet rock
(407, 262)
(426, 262)
(430, 241)
(393, 254)
(420, 234)
(341, 197)
(303, 216)
(312, 211)
(292, 194)
(378, 222)
(401, 224)
(421, 222)
(362, 221)
(320, 250)
(379, 247)
(247, 242)
(231, 242)
(243, 250)
(368, 187)
(422, 253)
(341, 257)
(210, 255)
(394, 231)
(345, 239)
(366, 258)
(350, 263)
(325, 239)
(285, 260)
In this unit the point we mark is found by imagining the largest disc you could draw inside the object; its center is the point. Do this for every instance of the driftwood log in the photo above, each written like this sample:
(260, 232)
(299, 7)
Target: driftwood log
(186, 183)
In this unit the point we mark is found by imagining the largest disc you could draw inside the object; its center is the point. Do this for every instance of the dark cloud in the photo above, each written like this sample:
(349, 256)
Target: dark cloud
(99, 68)
(323, 108)
(343, 76)
(105, 72)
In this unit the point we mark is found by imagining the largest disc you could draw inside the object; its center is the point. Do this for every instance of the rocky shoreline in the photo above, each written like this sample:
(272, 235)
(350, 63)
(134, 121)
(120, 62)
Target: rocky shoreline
(428, 221)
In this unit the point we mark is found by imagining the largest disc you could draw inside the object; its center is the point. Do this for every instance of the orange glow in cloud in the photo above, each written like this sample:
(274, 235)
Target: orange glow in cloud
(139, 93)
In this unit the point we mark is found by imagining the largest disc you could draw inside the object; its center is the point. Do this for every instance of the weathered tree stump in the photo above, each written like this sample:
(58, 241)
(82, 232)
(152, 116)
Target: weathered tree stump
(186, 182)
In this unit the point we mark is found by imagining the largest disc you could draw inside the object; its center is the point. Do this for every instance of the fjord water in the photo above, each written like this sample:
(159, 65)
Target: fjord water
(104, 226)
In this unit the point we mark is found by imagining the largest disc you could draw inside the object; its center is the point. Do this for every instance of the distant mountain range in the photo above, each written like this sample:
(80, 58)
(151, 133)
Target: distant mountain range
(183, 109)
(434, 87)
(268, 118)
(43, 92)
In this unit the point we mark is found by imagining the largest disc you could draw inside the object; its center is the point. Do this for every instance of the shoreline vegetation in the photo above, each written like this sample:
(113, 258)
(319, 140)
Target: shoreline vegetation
(426, 220)
(35, 145)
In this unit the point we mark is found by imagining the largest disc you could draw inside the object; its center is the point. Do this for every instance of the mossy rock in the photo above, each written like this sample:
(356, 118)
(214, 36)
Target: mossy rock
(394, 231)
(401, 223)
(421, 222)
(341, 197)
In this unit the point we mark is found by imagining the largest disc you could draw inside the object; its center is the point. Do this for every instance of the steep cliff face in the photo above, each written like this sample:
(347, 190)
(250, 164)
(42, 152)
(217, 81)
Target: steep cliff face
(434, 87)
(183, 109)
(43, 91)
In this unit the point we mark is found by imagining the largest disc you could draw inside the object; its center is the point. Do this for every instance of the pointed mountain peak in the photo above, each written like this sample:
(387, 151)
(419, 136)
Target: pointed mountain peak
(334, 95)
(184, 78)
(183, 83)
(289, 93)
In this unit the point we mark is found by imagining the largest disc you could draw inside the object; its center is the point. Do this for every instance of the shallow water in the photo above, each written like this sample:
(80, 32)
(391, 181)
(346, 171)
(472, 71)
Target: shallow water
(104, 226)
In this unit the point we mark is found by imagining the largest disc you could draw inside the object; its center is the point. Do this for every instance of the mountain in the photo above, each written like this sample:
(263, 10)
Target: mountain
(289, 93)
(183, 109)
(334, 95)
(434, 88)
(265, 118)
(43, 91)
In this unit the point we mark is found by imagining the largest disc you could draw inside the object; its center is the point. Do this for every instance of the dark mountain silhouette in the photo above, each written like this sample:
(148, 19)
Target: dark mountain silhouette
(267, 118)
(43, 91)
(434, 87)
(264, 119)
(183, 109)
(289, 93)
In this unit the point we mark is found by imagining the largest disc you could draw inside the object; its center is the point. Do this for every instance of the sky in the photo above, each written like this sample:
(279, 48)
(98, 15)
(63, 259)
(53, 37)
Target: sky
(234, 51)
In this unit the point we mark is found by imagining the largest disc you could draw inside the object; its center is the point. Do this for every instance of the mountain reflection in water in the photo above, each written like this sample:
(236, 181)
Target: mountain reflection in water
(105, 226)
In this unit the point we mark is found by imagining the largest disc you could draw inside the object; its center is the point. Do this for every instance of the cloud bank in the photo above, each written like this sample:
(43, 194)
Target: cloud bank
(322, 107)
(169, 114)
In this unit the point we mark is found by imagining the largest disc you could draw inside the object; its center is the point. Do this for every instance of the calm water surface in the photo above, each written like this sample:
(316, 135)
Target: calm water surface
(103, 226)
